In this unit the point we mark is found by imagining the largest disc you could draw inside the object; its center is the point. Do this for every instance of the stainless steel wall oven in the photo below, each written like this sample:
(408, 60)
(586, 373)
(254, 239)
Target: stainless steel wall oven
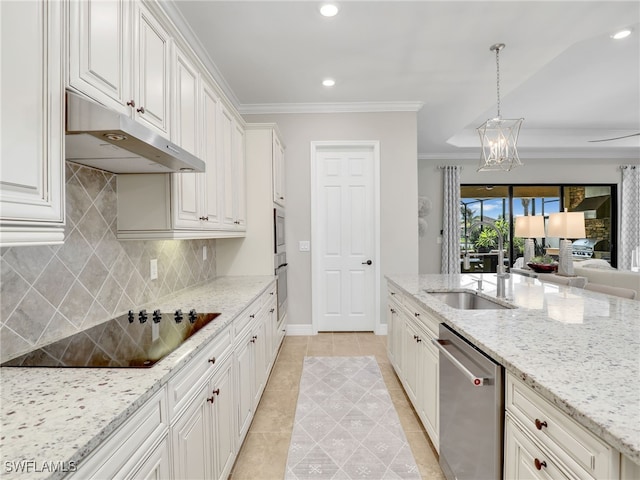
(280, 260)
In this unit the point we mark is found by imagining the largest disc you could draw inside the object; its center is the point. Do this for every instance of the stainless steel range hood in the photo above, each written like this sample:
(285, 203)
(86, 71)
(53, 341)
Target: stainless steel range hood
(102, 138)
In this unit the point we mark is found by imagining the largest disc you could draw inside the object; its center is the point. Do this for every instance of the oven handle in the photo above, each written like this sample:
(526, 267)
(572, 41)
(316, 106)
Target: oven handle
(475, 380)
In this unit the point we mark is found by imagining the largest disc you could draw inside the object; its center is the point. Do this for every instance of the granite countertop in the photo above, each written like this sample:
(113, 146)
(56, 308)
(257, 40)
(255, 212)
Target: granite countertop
(579, 349)
(61, 414)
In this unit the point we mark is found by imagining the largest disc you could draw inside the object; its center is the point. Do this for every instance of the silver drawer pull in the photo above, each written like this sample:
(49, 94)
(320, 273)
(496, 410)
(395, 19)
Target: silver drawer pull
(475, 380)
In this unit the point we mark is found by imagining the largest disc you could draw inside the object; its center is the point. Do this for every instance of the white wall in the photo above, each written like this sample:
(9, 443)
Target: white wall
(397, 134)
(545, 171)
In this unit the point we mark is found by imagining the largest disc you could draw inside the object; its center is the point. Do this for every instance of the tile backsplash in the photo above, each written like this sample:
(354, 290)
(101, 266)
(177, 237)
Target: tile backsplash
(50, 292)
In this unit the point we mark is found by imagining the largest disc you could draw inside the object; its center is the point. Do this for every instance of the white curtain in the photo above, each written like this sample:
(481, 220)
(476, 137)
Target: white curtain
(451, 220)
(629, 215)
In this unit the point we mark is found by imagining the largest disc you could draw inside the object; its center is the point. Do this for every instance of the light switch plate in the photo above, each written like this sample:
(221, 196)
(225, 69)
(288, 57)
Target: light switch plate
(204, 252)
(153, 269)
(304, 245)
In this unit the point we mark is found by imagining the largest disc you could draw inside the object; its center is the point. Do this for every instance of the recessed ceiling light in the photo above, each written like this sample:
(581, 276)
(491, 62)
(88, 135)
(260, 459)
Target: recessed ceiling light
(621, 34)
(329, 9)
(328, 82)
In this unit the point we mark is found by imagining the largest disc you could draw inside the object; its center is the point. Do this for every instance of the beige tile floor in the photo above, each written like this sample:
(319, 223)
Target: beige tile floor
(263, 455)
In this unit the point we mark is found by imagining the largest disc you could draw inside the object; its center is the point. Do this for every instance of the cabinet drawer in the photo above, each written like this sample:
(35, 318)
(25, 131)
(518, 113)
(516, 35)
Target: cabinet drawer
(394, 292)
(568, 440)
(185, 384)
(426, 319)
(524, 460)
(245, 319)
(127, 448)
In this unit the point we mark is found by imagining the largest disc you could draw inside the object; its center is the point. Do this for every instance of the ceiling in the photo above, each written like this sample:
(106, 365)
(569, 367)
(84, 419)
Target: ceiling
(560, 69)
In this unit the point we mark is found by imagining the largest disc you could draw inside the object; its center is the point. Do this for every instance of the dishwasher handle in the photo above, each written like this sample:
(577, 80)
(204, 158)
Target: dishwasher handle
(475, 380)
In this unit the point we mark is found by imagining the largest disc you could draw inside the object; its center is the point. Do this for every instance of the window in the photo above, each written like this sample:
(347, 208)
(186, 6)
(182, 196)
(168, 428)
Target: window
(500, 204)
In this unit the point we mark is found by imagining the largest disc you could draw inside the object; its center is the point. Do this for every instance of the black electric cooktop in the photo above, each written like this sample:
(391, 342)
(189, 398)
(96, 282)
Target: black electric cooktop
(136, 339)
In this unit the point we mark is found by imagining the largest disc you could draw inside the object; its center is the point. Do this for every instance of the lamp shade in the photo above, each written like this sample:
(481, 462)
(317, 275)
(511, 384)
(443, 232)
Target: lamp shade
(566, 225)
(529, 226)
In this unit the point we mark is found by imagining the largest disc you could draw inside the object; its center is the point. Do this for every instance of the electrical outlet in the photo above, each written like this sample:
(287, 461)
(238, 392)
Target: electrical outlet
(204, 252)
(153, 269)
(304, 245)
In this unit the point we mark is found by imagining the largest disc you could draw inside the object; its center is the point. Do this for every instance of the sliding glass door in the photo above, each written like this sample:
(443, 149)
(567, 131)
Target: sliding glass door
(500, 204)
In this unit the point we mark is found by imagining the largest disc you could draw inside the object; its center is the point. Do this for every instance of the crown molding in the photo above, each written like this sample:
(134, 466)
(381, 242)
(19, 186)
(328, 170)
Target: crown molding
(600, 154)
(344, 107)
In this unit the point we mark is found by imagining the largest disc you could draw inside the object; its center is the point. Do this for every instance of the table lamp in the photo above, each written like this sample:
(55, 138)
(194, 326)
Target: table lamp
(529, 227)
(566, 225)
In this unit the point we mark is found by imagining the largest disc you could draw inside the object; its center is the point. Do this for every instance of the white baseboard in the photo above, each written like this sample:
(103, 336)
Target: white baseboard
(300, 329)
(306, 329)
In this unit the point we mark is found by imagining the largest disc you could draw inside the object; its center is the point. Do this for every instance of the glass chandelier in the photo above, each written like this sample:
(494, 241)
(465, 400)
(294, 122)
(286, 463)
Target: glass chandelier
(498, 136)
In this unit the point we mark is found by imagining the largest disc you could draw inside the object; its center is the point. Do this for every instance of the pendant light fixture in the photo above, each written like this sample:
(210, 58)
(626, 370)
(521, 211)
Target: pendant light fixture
(498, 136)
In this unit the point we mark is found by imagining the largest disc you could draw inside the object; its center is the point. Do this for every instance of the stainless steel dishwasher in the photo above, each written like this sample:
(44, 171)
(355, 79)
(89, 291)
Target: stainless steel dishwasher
(471, 410)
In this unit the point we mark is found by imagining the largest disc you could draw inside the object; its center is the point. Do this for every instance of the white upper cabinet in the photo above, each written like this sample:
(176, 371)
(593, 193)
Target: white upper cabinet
(32, 118)
(278, 171)
(119, 55)
(151, 71)
(100, 51)
(239, 177)
(185, 133)
(232, 163)
(210, 190)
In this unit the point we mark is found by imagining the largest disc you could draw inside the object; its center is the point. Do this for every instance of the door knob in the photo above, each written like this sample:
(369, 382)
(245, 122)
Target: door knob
(368, 262)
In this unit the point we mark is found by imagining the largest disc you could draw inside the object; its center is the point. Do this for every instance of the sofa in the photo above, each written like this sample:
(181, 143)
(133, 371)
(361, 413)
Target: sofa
(601, 272)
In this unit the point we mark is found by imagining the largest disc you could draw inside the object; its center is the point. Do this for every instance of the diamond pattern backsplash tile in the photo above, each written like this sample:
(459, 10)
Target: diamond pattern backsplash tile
(50, 292)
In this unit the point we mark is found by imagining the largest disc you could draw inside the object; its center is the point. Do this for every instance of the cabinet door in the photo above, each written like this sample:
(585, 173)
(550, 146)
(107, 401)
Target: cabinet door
(210, 139)
(392, 314)
(151, 72)
(245, 371)
(185, 133)
(226, 164)
(32, 135)
(100, 51)
(191, 440)
(239, 180)
(278, 171)
(411, 364)
(260, 340)
(156, 466)
(186, 85)
(223, 422)
(523, 460)
(429, 389)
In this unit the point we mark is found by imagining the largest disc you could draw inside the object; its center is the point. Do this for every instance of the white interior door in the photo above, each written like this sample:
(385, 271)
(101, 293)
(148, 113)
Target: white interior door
(344, 238)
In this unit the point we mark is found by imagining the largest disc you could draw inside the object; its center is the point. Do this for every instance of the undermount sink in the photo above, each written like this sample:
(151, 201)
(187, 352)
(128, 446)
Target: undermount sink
(467, 301)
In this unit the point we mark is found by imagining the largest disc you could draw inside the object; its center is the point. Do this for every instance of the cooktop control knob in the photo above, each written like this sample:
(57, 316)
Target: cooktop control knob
(131, 316)
(178, 316)
(157, 316)
(143, 316)
(193, 315)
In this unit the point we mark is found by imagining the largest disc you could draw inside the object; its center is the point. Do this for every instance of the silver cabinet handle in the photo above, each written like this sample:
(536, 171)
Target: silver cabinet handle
(475, 380)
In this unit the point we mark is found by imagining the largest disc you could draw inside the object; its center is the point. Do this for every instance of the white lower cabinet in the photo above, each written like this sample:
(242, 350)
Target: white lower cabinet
(415, 359)
(191, 440)
(541, 441)
(203, 436)
(134, 449)
(523, 460)
(194, 426)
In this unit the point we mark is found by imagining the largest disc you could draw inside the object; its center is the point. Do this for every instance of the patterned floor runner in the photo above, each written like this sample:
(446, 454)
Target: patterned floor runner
(346, 426)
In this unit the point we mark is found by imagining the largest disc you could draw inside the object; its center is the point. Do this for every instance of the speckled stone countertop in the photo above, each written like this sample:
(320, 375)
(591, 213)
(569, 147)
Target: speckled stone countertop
(61, 414)
(579, 349)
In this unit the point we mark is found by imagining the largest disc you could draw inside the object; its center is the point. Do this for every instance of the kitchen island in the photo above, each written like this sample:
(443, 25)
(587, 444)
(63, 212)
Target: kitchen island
(578, 349)
(54, 418)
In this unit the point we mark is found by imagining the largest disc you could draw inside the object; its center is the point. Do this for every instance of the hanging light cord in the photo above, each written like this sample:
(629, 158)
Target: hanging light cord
(498, 48)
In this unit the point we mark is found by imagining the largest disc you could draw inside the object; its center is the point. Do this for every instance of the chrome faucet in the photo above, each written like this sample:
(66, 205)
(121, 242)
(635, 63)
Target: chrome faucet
(501, 273)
